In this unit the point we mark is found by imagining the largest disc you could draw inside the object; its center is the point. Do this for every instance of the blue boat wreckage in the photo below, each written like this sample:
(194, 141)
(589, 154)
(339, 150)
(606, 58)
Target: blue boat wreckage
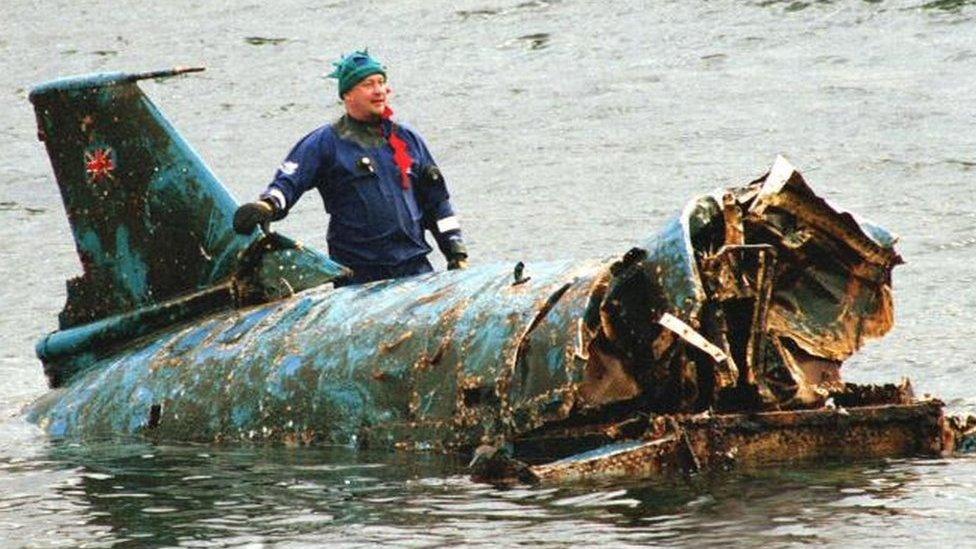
(717, 341)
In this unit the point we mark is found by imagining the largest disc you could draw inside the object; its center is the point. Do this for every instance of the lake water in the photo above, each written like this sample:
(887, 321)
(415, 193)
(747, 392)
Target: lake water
(565, 129)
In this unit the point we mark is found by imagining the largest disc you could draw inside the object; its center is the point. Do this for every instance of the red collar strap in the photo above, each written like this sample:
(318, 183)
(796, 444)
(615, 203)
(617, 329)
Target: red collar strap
(401, 151)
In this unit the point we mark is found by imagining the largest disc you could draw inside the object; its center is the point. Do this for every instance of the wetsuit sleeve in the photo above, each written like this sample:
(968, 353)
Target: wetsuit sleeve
(439, 216)
(298, 173)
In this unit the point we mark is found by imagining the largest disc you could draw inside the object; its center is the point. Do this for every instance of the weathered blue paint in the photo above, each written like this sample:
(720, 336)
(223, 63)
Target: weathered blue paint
(151, 224)
(81, 82)
(181, 329)
(68, 351)
(336, 365)
(152, 229)
(130, 265)
(672, 251)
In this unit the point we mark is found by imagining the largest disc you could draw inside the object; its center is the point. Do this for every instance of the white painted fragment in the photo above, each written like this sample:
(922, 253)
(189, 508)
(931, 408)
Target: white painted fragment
(779, 174)
(689, 334)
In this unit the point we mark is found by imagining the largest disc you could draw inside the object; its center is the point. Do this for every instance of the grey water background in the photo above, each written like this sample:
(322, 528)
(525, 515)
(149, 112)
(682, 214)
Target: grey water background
(566, 129)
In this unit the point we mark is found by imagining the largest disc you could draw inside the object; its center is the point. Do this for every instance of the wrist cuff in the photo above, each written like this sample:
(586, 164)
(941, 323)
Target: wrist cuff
(276, 198)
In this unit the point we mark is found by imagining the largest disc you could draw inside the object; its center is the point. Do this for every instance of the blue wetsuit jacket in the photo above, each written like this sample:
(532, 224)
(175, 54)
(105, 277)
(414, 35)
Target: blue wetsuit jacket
(376, 226)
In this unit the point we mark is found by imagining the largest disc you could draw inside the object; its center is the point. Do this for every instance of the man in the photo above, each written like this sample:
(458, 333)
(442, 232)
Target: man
(380, 185)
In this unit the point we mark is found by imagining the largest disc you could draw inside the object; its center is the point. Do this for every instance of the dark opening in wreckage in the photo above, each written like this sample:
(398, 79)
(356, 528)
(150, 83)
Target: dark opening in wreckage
(718, 341)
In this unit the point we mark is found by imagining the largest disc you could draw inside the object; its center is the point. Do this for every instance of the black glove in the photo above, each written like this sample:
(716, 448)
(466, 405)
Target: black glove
(457, 255)
(252, 214)
(457, 262)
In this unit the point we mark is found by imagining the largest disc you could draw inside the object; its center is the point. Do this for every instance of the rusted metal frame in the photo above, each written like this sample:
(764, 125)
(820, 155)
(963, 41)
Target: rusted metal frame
(805, 260)
(699, 443)
(854, 394)
(804, 388)
(730, 282)
(760, 310)
(692, 337)
(734, 229)
(879, 413)
(582, 341)
(818, 217)
(689, 459)
(587, 428)
(857, 432)
(727, 372)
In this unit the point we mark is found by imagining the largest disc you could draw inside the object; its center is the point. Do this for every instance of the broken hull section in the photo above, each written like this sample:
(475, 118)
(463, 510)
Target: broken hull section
(713, 443)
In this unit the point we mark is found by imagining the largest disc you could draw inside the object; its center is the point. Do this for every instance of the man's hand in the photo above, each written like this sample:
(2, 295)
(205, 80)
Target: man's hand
(456, 253)
(251, 215)
(457, 262)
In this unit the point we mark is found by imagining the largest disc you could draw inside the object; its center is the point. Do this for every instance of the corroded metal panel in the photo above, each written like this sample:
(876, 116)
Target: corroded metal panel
(694, 444)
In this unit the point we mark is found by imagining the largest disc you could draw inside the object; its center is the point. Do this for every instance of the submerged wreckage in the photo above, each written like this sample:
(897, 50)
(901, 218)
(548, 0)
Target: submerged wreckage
(717, 341)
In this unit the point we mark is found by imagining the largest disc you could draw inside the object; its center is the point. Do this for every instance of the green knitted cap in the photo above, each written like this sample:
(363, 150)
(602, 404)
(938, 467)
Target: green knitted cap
(352, 68)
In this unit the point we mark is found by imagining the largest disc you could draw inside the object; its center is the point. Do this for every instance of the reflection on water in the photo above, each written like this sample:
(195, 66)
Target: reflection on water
(185, 494)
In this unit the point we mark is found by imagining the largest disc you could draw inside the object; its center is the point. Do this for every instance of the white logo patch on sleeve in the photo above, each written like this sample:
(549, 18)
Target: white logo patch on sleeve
(288, 167)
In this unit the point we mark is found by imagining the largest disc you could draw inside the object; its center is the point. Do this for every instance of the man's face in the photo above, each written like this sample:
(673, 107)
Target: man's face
(367, 100)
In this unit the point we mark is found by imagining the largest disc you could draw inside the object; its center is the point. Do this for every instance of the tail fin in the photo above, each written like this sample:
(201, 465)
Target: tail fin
(150, 220)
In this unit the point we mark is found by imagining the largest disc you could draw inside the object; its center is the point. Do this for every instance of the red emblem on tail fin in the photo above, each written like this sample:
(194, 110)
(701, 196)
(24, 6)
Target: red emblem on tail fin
(99, 164)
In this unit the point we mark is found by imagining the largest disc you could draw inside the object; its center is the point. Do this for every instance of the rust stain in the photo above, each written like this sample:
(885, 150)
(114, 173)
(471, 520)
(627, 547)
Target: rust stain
(386, 348)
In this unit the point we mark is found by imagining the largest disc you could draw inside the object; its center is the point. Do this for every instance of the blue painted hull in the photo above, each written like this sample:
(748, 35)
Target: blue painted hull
(427, 360)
